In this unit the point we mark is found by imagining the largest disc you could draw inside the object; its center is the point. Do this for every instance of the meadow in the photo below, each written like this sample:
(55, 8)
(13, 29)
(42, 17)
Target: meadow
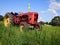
(49, 35)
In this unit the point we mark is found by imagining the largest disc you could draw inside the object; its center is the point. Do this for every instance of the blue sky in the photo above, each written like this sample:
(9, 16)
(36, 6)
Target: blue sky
(47, 9)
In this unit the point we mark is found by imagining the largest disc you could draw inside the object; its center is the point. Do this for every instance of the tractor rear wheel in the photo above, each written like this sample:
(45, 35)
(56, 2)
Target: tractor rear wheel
(38, 27)
(8, 19)
(23, 26)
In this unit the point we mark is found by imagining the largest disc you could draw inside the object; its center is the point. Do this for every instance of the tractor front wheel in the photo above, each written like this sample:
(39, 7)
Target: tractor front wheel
(38, 27)
(23, 26)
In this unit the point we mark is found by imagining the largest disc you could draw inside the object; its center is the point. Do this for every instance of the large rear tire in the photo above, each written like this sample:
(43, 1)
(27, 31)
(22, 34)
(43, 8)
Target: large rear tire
(23, 26)
(8, 19)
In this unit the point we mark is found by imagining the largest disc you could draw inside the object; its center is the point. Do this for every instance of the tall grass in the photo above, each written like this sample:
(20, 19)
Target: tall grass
(12, 36)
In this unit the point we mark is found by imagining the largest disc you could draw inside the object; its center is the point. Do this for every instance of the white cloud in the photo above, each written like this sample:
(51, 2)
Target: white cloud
(43, 11)
(53, 6)
(53, 11)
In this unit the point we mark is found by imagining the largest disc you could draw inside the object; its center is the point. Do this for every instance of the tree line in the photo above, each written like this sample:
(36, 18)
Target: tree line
(54, 22)
(1, 18)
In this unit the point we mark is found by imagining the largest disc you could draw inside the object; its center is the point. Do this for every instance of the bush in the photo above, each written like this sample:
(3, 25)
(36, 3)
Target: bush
(41, 22)
(1, 18)
(55, 21)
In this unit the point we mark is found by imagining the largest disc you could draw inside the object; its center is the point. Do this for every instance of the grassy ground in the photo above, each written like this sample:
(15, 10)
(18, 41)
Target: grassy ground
(12, 36)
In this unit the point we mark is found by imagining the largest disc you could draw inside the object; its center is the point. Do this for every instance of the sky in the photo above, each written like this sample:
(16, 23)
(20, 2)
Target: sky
(47, 9)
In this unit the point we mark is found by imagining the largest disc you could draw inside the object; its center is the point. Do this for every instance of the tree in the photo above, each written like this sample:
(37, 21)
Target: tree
(1, 18)
(46, 23)
(55, 21)
(41, 22)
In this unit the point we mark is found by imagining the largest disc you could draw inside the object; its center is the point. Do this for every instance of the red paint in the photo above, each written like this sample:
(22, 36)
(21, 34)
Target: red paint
(29, 17)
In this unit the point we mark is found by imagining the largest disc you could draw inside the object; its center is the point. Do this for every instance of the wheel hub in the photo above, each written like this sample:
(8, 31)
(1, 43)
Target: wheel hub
(21, 27)
(6, 22)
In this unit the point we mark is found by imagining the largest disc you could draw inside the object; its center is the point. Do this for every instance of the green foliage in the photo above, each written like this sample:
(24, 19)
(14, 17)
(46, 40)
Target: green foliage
(46, 23)
(55, 21)
(41, 22)
(1, 18)
(12, 36)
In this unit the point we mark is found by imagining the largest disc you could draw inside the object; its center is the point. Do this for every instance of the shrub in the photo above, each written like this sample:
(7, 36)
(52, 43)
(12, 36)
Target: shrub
(1, 18)
(55, 21)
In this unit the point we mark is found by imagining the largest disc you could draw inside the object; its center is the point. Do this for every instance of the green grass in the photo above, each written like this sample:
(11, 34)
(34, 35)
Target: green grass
(12, 36)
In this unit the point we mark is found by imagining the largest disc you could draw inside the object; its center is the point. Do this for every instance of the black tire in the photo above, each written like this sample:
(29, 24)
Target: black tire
(39, 27)
(25, 25)
(9, 15)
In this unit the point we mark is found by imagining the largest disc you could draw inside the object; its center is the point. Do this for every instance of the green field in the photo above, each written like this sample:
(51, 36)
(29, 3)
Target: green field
(12, 36)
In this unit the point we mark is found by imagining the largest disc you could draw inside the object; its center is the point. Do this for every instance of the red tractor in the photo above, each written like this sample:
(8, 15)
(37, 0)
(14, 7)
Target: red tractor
(24, 20)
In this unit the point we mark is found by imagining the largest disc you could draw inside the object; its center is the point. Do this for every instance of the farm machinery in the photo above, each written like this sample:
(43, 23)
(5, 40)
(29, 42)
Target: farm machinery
(24, 20)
